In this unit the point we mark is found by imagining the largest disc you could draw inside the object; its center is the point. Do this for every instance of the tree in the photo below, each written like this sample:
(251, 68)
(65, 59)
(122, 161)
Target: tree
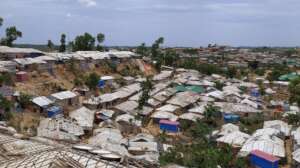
(277, 71)
(142, 50)
(147, 86)
(231, 72)
(290, 52)
(211, 113)
(1, 21)
(156, 54)
(50, 44)
(201, 130)
(25, 100)
(85, 42)
(294, 89)
(170, 57)
(5, 105)
(92, 81)
(100, 39)
(7, 79)
(253, 64)
(62, 47)
(70, 46)
(155, 47)
(262, 90)
(293, 119)
(219, 85)
(12, 34)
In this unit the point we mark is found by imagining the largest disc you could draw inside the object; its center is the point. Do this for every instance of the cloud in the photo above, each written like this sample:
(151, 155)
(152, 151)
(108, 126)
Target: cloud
(88, 3)
(69, 15)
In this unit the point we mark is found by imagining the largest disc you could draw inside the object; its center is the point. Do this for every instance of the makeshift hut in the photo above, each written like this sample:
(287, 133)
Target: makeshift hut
(84, 117)
(66, 99)
(264, 160)
(41, 103)
(21, 76)
(169, 126)
(54, 111)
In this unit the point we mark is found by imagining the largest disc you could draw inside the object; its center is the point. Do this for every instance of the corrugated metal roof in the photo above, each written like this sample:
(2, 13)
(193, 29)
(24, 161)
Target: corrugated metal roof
(64, 95)
(5, 49)
(42, 101)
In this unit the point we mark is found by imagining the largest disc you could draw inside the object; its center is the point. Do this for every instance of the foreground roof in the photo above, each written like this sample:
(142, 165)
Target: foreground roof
(16, 153)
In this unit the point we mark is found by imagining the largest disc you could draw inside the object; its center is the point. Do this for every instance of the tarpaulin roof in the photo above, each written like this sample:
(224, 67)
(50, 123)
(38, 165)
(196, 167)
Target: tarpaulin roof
(288, 77)
(196, 89)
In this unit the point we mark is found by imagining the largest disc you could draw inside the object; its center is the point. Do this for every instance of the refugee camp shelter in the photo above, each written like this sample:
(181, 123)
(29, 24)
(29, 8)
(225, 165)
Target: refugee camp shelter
(60, 129)
(231, 118)
(42, 103)
(169, 126)
(54, 111)
(9, 53)
(84, 117)
(21, 76)
(8, 66)
(288, 77)
(107, 79)
(65, 98)
(7, 92)
(195, 89)
(236, 139)
(263, 160)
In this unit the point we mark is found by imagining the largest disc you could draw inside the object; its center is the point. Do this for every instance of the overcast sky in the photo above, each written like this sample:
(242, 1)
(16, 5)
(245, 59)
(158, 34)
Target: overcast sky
(180, 22)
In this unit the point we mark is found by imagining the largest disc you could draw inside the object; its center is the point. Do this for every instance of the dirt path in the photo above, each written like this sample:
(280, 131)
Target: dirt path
(288, 147)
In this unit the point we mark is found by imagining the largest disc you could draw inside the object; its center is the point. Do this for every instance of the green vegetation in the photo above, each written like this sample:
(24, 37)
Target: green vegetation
(277, 71)
(72, 67)
(211, 114)
(92, 81)
(170, 57)
(231, 72)
(260, 71)
(190, 51)
(25, 100)
(253, 64)
(62, 47)
(12, 34)
(251, 123)
(50, 45)
(1, 21)
(142, 50)
(208, 69)
(294, 89)
(5, 105)
(100, 39)
(156, 54)
(147, 86)
(202, 152)
(85, 42)
(262, 90)
(6, 79)
(219, 85)
(291, 51)
(293, 119)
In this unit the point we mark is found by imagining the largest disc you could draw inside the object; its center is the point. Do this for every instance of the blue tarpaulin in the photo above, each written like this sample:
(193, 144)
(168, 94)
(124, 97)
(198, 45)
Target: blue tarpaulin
(263, 160)
(231, 118)
(53, 111)
(169, 126)
(255, 93)
(101, 83)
